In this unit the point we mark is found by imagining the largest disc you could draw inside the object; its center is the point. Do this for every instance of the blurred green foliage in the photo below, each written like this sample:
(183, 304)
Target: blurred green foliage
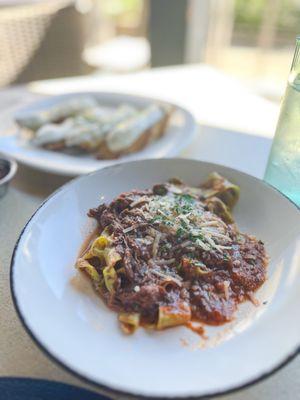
(123, 12)
(250, 13)
(118, 7)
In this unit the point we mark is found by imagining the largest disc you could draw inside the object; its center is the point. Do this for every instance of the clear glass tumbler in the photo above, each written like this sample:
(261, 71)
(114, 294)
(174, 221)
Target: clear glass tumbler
(283, 169)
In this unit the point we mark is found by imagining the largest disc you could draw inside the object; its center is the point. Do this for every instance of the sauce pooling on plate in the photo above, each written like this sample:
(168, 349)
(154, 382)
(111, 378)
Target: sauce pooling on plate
(172, 254)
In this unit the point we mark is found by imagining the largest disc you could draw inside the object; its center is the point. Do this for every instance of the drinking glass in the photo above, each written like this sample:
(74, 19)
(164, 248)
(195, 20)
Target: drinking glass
(283, 169)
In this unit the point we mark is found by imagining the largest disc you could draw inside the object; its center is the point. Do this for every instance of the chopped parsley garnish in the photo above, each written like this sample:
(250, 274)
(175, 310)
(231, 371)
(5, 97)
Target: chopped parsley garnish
(180, 232)
(187, 198)
(184, 224)
(183, 203)
(156, 218)
(181, 213)
(226, 257)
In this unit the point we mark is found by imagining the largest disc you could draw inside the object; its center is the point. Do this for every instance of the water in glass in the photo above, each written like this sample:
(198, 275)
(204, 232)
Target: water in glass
(283, 169)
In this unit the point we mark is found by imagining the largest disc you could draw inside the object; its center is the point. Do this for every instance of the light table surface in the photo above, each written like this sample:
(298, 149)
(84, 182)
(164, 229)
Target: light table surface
(235, 129)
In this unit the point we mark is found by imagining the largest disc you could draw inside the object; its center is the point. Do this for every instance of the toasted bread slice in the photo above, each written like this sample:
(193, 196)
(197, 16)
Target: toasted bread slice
(142, 133)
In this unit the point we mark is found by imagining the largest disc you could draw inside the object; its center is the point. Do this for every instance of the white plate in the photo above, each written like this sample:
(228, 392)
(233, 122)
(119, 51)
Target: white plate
(179, 133)
(82, 334)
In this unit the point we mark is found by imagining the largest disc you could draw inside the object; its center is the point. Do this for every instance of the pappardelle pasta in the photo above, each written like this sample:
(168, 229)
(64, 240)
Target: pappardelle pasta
(172, 254)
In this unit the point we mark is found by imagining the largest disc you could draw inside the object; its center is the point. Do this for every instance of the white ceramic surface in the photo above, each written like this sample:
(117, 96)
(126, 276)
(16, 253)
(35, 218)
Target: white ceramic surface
(75, 327)
(179, 133)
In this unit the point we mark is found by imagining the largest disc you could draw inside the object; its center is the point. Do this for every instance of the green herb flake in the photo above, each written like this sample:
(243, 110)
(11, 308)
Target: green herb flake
(156, 218)
(188, 198)
(180, 232)
(226, 257)
(164, 248)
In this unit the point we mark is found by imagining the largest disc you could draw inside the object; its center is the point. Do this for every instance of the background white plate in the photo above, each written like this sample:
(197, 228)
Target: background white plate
(77, 330)
(179, 133)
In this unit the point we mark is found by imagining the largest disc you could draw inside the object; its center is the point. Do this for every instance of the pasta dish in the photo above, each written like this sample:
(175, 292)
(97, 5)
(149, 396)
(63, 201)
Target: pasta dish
(172, 254)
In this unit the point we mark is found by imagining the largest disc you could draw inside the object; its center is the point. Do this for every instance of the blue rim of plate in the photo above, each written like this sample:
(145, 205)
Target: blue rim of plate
(18, 388)
(108, 389)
